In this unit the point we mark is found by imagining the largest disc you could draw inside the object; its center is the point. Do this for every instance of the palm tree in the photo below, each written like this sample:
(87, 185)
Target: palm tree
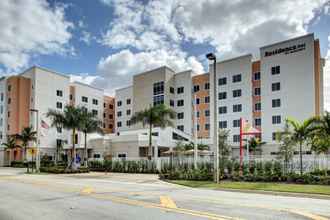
(27, 135)
(255, 144)
(158, 115)
(88, 124)
(301, 134)
(69, 119)
(11, 144)
(321, 137)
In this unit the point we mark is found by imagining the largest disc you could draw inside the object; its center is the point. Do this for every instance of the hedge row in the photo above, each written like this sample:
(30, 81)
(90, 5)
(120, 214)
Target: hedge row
(124, 166)
(63, 170)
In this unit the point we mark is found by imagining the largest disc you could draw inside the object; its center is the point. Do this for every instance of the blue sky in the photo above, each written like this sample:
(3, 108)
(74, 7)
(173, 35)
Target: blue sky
(105, 42)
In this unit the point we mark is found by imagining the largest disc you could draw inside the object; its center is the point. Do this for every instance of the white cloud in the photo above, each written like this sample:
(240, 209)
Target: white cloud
(86, 37)
(119, 68)
(83, 78)
(31, 27)
(231, 27)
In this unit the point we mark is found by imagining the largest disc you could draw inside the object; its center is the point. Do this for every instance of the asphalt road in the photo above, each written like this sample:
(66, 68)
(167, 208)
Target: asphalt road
(132, 196)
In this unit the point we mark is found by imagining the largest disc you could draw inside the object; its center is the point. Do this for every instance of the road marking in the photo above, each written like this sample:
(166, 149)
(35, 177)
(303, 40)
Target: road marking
(159, 206)
(87, 190)
(307, 214)
(294, 211)
(166, 201)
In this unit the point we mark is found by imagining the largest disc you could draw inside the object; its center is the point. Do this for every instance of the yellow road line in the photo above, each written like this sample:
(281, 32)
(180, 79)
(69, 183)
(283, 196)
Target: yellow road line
(307, 214)
(166, 201)
(87, 190)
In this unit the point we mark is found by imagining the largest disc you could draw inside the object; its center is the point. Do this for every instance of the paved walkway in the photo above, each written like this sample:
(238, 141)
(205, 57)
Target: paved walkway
(138, 196)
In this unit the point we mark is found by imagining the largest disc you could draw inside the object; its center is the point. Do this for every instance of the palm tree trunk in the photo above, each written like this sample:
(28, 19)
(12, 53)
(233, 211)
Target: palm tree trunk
(85, 151)
(150, 142)
(73, 156)
(300, 151)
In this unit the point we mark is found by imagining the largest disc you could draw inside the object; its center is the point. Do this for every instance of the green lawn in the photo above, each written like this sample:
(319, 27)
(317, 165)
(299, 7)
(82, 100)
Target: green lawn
(276, 187)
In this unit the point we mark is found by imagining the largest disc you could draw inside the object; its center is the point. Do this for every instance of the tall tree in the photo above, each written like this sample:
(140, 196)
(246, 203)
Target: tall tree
(27, 135)
(224, 148)
(88, 124)
(69, 119)
(301, 134)
(287, 145)
(158, 115)
(11, 144)
(321, 136)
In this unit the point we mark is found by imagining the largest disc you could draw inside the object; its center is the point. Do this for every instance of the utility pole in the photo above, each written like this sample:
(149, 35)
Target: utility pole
(38, 147)
(213, 58)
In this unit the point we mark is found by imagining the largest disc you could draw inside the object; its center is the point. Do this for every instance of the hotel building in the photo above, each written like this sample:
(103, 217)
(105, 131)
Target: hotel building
(286, 82)
(42, 89)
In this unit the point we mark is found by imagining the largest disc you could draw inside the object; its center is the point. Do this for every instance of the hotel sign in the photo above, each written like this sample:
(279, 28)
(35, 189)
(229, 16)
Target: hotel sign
(286, 50)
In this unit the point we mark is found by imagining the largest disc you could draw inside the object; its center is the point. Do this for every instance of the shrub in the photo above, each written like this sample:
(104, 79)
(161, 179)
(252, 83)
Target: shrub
(62, 170)
(17, 164)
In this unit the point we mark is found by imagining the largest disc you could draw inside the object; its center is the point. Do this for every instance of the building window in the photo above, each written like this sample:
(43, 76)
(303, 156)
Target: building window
(276, 70)
(180, 90)
(257, 91)
(9, 88)
(276, 119)
(94, 112)
(257, 121)
(198, 127)
(84, 99)
(237, 78)
(237, 93)
(256, 76)
(104, 115)
(119, 114)
(128, 101)
(158, 100)
(8, 114)
(158, 88)
(1, 97)
(172, 90)
(207, 86)
(236, 123)
(180, 115)
(222, 124)
(110, 126)
(71, 96)
(128, 112)
(197, 101)
(110, 106)
(207, 113)
(222, 81)
(197, 114)
(237, 108)
(274, 136)
(119, 124)
(196, 88)
(222, 109)
(119, 103)
(95, 102)
(180, 127)
(59, 105)
(236, 138)
(222, 95)
(9, 100)
(59, 129)
(59, 93)
(276, 103)
(276, 86)
(171, 103)
(207, 99)
(207, 127)
(128, 123)
(180, 102)
(257, 107)
(111, 116)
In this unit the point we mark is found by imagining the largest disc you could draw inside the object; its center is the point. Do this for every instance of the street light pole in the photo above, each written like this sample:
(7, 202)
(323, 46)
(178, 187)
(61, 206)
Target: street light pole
(37, 141)
(213, 58)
